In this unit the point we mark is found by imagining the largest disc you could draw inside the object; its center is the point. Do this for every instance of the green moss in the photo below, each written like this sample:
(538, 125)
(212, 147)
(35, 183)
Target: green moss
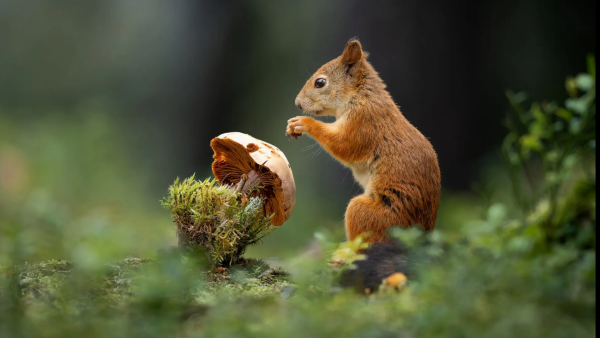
(58, 284)
(216, 219)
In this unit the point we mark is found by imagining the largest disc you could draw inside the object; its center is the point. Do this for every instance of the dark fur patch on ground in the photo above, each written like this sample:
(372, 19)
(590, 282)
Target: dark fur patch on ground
(383, 259)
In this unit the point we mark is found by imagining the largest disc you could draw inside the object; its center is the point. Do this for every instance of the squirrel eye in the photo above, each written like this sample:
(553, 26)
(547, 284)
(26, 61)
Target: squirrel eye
(320, 83)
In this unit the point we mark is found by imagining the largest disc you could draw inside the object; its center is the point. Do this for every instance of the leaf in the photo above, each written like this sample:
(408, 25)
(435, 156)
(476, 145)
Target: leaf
(552, 177)
(571, 86)
(575, 126)
(538, 114)
(519, 244)
(532, 142)
(585, 82)
(552, 156)
(497, 213)
(558, 126)
(411, 237)
(578, 105)
(518, 98)
(550, 108)
(565, 114)
(591, 64)
(348, 252)
(540, 130)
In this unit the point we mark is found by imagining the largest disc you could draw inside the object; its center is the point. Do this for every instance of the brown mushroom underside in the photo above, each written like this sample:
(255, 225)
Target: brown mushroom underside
(266, 166)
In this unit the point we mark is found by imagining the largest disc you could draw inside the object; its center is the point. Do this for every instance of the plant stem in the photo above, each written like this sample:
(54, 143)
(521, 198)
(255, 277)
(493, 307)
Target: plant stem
(241, 184)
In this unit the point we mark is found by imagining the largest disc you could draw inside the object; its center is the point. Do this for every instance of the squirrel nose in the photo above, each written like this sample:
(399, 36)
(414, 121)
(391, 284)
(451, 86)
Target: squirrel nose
(298, 104)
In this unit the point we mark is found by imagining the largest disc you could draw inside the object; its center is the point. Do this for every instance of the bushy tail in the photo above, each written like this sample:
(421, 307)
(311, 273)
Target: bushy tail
(383, 260)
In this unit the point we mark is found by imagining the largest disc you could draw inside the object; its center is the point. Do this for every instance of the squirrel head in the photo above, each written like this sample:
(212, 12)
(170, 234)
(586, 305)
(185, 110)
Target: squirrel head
(334, 88)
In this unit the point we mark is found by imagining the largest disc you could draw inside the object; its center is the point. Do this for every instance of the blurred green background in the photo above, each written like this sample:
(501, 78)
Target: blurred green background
(104, 103)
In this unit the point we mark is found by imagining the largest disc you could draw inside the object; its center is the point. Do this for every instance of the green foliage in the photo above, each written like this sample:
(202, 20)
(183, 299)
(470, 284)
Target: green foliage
(551, 153)
(349, 252)
(131, 297)
(212, 217)
(68, 187)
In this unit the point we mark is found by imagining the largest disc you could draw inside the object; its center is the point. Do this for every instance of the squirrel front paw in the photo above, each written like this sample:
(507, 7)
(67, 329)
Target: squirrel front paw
(295, 127)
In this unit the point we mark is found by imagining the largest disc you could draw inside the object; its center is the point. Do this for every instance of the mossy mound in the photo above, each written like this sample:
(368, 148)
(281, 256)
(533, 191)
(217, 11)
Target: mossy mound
(216, 219)
(132, 286)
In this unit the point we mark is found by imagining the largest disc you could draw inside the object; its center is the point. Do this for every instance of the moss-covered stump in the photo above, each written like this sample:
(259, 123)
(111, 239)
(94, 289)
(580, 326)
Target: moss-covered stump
(216, 219)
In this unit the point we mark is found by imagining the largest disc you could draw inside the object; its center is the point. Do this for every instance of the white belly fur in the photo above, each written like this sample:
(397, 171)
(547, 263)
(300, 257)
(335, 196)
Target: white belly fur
(362, 176)
(360, 170)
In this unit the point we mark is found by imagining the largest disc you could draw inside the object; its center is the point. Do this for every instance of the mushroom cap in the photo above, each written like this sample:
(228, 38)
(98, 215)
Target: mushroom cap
(266, 166)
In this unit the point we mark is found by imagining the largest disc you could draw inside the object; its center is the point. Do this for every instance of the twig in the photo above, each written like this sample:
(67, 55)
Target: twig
(241, 184)
(272, 272)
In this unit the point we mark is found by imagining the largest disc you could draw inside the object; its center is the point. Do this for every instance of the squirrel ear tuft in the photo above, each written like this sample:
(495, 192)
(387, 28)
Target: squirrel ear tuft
(353, 52)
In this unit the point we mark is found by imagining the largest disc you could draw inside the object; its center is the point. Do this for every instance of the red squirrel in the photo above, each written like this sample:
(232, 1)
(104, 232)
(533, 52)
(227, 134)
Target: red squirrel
(394, 163)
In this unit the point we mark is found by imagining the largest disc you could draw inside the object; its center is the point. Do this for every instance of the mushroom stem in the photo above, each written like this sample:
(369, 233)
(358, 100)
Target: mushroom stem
(241, 184)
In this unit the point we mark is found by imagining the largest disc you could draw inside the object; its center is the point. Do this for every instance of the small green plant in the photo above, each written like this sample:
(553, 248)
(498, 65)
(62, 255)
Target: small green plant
(551, 155)
(350, 251)
(216, 218)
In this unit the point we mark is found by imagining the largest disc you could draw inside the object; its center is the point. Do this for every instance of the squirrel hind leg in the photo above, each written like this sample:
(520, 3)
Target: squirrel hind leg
(366, 215)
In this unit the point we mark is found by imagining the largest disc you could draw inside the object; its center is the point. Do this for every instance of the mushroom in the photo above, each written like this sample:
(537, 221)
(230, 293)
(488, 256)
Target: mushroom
(268, 171)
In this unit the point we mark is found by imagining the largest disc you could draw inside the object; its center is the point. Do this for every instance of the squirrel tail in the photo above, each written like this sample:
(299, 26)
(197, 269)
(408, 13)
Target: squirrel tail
(383, 260)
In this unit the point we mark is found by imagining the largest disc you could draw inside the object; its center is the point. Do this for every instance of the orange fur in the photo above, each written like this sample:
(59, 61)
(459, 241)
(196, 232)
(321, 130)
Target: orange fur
(394, 163)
